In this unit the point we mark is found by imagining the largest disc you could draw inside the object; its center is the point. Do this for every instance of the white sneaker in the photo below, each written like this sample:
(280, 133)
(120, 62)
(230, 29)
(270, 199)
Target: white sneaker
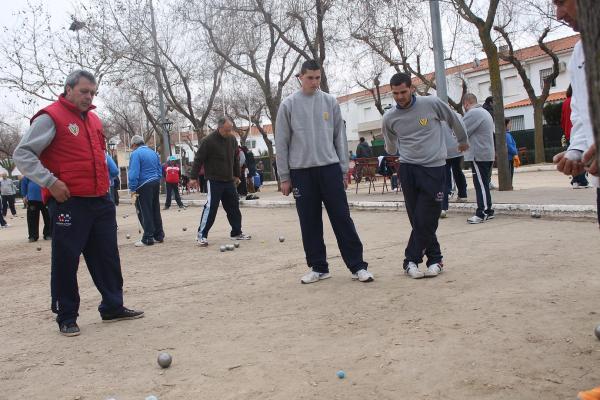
(443, 214)
(139, 243)
(362, 275)
(433, 270)
(202, 242)
(475, 220)
(314, 276)
(5, 226)
(412, 270)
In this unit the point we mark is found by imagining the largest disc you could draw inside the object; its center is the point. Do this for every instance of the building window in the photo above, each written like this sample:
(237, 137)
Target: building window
(518, 122)
(544, 74)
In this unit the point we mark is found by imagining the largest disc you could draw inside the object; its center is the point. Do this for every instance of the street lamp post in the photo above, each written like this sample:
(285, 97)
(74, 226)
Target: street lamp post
(167, 125)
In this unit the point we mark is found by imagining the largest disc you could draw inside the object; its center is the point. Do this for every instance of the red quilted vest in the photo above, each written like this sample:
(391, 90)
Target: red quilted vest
(172, 174)
(76, 155)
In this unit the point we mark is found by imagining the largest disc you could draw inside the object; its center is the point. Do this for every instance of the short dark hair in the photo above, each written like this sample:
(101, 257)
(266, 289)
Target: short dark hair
(506, 121)
(362, 139)
(569, 91)
(489, 100)
(311, 65)
(400, 78)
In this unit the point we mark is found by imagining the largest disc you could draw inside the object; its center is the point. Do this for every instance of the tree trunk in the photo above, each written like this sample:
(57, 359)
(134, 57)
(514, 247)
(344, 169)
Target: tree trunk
(590, 34)
(538, 120)
(504, 181)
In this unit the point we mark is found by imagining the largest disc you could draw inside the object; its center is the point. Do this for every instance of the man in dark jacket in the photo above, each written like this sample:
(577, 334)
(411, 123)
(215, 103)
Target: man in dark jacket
(363, 150)
(217, 153)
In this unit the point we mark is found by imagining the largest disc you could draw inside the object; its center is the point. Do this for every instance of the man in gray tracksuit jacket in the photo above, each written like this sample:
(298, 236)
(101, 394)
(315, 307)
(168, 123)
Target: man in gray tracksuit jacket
(413, 130)
(312, 158)
(480, 129)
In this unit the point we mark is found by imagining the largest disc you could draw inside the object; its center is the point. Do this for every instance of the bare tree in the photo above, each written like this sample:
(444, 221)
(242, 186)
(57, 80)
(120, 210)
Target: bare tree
(301, 25)
(256, 49)
(590, 35)
(190, 77)
(484, 29)
(9, 139)
(537, 102)
(398, 40)
(36, 58)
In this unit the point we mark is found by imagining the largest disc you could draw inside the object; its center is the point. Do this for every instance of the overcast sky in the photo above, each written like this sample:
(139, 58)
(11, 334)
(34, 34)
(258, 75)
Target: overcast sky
(60, 11)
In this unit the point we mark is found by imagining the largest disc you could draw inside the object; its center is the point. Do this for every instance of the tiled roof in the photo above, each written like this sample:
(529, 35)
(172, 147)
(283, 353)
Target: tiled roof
(526, 53)
(553, 97)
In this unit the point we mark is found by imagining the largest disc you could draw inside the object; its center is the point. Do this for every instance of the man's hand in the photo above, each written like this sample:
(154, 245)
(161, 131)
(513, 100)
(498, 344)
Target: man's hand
(236, 181)
(134, 197)
(25, 201)
(193, 184)
(590, 160)
(60, 191)
(463, 147)
(345, 184)
(286, 188)
(568, 166)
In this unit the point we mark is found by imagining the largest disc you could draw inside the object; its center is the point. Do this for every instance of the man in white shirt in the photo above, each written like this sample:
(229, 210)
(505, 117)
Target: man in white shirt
(582, 148)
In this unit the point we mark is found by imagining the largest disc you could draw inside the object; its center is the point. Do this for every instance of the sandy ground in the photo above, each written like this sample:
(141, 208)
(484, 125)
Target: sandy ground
(512, 316)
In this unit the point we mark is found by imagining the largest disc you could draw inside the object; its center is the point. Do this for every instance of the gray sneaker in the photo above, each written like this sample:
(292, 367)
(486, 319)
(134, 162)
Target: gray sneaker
(69, 329)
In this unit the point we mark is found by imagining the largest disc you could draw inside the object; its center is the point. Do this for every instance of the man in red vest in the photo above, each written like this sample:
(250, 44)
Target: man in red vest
(63, 152)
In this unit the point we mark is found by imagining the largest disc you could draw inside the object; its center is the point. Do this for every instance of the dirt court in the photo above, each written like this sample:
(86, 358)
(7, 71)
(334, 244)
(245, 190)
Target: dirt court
(512, 316)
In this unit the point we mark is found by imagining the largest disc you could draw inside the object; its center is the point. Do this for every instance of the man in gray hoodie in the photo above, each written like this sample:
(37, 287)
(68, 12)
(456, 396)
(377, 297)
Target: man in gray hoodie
(413, 130)
(480, 128)
(312, 160)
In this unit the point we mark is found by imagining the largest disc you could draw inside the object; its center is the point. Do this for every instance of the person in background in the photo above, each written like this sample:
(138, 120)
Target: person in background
(144, 176)
(172, 174)
(8, 192)
(363, 150)
(453, 168)
(113, 172)
(260, 170)
(578, 181)
(511, 147)
(480, 129)
(32, 197)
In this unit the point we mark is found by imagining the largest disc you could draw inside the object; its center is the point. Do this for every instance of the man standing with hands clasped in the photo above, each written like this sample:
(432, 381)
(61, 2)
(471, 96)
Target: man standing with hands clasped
(64, 152)
(312, 157)
(413, 130)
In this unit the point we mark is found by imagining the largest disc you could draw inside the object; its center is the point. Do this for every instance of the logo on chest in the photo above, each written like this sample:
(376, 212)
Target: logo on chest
(74, 129)
(423, 121)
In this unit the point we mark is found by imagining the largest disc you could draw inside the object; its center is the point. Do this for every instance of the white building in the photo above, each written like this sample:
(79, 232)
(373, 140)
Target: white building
(363, 119)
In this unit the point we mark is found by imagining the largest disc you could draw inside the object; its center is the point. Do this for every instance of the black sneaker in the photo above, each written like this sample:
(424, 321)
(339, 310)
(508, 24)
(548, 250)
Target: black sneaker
(123, 314)
(69, 329)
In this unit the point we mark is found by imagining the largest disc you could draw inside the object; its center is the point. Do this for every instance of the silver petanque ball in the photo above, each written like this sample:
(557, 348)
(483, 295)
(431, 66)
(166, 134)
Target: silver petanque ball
(39, 248)
(229, 247)
(184, 229)
(536, 214)
(597, 331)
(222, 248)
(128, 236)
(164, 360)
(281, 239)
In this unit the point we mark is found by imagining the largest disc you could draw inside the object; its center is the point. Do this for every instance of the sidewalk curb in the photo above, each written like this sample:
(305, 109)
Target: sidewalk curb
(548, 211)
